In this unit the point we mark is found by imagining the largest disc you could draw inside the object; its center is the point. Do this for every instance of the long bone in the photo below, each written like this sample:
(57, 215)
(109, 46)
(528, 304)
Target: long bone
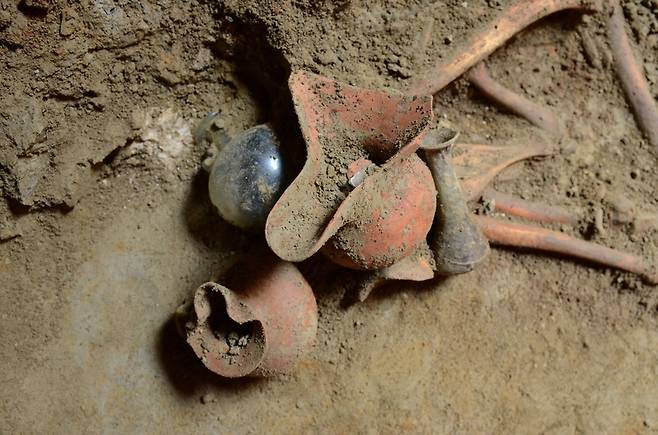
(505, 233)
(537, 115)
(514, 19)
(632, 79)
(535, 211)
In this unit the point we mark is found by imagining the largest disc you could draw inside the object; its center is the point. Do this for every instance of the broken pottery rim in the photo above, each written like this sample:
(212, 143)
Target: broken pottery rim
(313, 165)
(237, 311)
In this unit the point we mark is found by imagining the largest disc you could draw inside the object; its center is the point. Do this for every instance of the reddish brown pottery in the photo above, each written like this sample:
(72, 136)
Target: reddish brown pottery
(259, 323)
(387, 215)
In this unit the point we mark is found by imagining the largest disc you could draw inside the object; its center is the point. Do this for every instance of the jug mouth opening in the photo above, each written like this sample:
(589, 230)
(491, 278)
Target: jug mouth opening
(439, 138)
(227, 338)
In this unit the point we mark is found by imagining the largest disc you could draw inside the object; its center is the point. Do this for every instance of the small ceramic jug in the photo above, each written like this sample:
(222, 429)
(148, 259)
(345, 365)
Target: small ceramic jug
(260, 322)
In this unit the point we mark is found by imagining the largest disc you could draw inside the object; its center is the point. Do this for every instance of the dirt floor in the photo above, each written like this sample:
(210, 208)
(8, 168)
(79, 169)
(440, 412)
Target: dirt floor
(106, 226)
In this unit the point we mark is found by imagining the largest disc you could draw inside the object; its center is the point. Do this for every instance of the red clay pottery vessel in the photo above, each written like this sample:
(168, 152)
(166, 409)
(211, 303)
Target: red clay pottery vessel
(417, 266)
(391, 215)
(259, 323)
(362, 185)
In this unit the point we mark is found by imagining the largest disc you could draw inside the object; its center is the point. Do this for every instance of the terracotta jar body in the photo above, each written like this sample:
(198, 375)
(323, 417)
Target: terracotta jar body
(261, 322)
(391, 217)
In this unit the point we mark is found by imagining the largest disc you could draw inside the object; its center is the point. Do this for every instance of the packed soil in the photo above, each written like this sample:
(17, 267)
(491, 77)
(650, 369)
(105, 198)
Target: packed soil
(106, 225)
